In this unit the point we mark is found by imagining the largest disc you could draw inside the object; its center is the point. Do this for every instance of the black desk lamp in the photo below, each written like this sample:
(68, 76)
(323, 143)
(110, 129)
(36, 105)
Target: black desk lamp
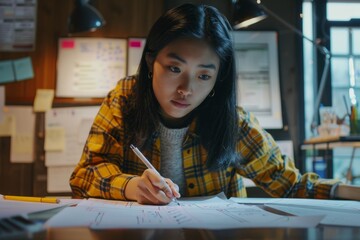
(247, 12)
(85, 18)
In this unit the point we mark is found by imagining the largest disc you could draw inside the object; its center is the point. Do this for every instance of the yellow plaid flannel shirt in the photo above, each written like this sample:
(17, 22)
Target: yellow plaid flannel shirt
(106, 165)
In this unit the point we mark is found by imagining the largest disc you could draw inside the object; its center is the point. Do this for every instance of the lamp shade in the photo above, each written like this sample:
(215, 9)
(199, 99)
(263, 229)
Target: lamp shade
(246, 12)
(85, 18)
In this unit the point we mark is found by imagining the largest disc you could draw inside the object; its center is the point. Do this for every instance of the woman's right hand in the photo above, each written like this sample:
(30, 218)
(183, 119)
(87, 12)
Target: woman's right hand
(151, 188)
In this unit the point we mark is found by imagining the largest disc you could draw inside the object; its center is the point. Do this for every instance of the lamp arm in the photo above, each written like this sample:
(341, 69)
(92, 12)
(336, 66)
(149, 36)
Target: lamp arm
(314, 120)
(324, 74)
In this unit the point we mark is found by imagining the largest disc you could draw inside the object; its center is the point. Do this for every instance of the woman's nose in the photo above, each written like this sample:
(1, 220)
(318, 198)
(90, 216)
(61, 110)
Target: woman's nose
(185, 88)
(184, 92)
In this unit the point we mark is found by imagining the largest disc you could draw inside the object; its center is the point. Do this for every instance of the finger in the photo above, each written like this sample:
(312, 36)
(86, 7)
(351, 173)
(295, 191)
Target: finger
(159, 183)
(174, 187)
(145, 197)
(157, 186)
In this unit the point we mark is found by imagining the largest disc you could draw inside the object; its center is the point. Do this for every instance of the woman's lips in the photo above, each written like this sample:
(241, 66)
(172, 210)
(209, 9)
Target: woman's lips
(180, 103)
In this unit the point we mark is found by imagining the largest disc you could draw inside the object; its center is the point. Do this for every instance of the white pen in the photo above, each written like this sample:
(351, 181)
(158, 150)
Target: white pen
(148, 165)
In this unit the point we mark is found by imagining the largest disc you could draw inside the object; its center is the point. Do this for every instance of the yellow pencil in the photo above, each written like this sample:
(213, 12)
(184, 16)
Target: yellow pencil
(32, 199)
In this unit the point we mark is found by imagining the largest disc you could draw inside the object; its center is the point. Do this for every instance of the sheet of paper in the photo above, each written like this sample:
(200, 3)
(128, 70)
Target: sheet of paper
(6, 72)
(54, 138)
(343, 205)
(213, 213)
(89, 67)
(76, 122)
(135, 49)
(58, 178)
(23, 69)
(10, 208)
(7, 126)
(336, 212)
(43, 100)
(23, 132)
(332, 217)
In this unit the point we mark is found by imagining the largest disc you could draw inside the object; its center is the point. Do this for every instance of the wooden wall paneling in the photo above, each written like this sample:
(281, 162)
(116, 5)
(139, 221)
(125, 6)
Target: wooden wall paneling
(39, 170)
(14, 177)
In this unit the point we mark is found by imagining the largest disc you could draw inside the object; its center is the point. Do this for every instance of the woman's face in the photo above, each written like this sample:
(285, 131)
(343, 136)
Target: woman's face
(184, 73)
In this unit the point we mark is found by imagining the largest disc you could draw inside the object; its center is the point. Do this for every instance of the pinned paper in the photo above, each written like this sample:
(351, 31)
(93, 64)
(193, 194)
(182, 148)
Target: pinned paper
(22, 140)
(22, 144)
(43, 100)
(6, 72)
(23, 69)
(7, 127)
(54, 138)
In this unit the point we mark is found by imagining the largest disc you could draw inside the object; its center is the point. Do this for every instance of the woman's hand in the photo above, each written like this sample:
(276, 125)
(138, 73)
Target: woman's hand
(151, 188)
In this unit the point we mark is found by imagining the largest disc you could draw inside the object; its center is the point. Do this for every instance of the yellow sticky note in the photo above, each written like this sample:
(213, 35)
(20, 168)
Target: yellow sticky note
(54, 138)
(43, 100)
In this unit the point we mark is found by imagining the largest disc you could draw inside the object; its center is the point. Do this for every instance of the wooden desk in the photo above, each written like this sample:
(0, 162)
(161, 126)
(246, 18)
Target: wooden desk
(198, 234)
(78, 233)
(329, 143)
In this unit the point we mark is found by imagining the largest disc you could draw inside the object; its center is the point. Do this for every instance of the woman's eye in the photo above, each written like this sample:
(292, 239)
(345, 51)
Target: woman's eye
(204, 77)
(174, 69)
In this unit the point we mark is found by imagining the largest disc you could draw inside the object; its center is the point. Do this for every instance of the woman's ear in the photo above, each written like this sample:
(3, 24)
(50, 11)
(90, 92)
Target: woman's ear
(149, 61)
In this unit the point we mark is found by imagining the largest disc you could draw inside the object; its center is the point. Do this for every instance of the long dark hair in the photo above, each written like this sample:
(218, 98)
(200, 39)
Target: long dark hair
(216, 117)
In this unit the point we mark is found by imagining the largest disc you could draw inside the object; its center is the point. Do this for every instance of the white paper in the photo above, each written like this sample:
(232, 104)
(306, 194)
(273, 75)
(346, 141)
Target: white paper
(89, 67)
(76, 122)
(336, 212)
(22, 140)
(337, 218)
(258, 82)
(135, 49)
(213, 213)
(58, 178)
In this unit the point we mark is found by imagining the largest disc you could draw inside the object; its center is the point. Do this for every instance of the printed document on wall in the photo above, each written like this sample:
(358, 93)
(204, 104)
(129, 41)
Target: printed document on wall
(21, 124)
(72, 126)
(89, 67)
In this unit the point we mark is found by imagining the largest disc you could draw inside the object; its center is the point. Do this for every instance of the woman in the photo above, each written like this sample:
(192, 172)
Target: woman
(180, 110)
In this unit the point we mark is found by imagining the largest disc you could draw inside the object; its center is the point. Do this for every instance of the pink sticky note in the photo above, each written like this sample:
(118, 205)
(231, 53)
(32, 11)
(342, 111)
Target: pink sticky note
(67, 44)
(135, 43)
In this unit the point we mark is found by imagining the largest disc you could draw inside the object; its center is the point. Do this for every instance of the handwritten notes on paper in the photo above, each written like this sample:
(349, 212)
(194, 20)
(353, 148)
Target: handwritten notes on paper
(89, 67)
(211, 213)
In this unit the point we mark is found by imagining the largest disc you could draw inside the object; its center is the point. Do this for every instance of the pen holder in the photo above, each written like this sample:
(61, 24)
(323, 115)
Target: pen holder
(354, 121)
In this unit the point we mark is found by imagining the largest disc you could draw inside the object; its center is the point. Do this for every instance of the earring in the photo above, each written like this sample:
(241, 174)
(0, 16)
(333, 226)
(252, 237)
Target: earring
(212, 93)
(150, 75)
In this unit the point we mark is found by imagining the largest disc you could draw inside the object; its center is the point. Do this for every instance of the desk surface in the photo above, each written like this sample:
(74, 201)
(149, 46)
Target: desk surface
(330, 139)
(183, 234)
(78, 233)
(331, 142)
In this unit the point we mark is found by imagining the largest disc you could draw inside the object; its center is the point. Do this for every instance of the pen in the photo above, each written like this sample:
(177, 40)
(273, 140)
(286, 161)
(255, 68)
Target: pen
(31, 199)
(148, 164)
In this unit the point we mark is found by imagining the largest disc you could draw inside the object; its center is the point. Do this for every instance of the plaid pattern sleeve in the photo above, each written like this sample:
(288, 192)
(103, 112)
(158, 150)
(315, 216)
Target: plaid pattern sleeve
(98, 172)
(269, 169)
